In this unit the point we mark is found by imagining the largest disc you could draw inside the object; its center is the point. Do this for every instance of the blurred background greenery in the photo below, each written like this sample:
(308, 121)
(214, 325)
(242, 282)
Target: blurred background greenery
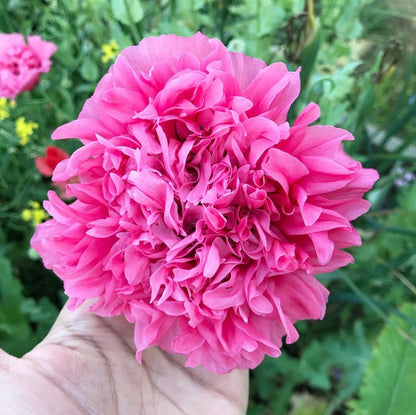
(359, 64)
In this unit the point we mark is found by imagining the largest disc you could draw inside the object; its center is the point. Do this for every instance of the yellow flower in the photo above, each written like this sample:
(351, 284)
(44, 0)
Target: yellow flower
(110, 51)
(25, 129)
(34, 205)
(27, 215)
(38, 216)
(34, 214)
(4, 109)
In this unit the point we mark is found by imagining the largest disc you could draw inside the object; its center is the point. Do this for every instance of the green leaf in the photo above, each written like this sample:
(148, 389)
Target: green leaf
(127, 11)
(389, 379)
(12, 319)
(308, 58)
(346, 353)
(307, 404)
(89, 70)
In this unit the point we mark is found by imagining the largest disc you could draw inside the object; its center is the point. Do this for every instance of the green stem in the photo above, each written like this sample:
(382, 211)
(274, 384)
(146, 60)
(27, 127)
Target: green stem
(397, 126)
(223, 17)
(371, 304)
(258, 25)
(135, 31)
(392, 229)
(367, 300)
(172, 10)
(391, 156)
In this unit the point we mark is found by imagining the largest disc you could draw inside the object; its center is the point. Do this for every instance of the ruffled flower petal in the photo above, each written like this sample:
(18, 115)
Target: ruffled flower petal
(200, 214)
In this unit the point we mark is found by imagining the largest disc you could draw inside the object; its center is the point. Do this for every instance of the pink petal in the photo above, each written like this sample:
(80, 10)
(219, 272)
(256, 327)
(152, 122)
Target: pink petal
(283, 167)
(212, 262)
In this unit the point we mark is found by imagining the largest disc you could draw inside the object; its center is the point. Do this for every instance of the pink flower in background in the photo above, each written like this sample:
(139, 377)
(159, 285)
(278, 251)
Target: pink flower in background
(201, 214)
(46, 165)
(22, 64)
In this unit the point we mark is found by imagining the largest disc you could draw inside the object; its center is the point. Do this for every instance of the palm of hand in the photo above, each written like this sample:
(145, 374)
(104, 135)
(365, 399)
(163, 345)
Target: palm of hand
(86, 365)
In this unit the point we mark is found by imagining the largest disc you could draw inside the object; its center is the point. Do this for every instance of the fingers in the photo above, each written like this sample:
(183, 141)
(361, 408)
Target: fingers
(111, 341)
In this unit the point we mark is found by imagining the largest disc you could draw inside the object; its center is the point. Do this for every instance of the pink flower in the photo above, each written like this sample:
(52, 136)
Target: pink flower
(201, 215)
(21, 64)
(46, 165)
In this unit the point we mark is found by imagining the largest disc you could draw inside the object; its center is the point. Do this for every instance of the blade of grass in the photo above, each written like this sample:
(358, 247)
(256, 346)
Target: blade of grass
(393, 229)
(373, 306)
(398, 275)
(398, 126)
(135, 29)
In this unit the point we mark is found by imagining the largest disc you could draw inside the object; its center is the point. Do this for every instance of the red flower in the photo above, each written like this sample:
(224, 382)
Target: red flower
(53, 155)
(46, 166)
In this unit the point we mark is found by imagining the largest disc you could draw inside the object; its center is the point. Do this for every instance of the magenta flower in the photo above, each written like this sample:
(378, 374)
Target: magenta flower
(201, 215)
(22, 64)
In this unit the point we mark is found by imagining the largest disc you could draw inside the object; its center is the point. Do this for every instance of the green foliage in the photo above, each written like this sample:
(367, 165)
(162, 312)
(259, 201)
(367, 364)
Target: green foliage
(332, 365)
(12, 320)
(307, 404)
(363, 79)
(18, 314)
(389, 249)
(388, 384)
(127, 11)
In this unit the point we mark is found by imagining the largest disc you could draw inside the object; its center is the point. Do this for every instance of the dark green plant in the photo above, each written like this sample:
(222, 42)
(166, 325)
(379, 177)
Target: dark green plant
(388, 384)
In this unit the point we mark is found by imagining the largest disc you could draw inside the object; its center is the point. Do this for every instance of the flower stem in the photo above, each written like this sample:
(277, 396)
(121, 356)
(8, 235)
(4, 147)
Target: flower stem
(370, 303)
(135, 31)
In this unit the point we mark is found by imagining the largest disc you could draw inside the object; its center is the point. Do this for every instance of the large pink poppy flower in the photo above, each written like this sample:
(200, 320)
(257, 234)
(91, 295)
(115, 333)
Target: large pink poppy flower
(22, 64)
(201, 215)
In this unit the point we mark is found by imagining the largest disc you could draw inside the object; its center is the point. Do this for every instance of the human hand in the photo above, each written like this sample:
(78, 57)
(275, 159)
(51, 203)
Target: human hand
(87, 365)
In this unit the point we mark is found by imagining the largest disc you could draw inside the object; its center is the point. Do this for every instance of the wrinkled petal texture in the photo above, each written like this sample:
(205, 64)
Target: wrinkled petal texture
(200, 214)
(21, 63)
